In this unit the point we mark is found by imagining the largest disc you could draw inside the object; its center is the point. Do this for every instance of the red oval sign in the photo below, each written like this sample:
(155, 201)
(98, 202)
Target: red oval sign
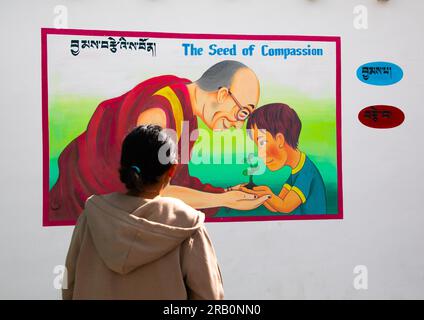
(381, 117)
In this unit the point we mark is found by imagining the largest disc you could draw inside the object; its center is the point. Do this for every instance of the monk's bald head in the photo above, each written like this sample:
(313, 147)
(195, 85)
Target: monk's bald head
(222, 74)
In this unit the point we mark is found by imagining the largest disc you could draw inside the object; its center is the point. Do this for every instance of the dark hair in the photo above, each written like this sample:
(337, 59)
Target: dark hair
(140, 163)
(277, 118)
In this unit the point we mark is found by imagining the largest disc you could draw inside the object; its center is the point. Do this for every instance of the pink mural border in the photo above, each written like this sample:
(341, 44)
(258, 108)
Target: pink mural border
(45, 129)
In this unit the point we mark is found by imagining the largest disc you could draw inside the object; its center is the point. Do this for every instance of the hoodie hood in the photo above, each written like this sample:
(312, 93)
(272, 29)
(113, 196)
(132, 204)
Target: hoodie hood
(128, 240)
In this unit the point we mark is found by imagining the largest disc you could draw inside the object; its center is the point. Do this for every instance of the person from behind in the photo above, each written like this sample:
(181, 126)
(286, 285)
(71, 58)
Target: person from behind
(139, 244)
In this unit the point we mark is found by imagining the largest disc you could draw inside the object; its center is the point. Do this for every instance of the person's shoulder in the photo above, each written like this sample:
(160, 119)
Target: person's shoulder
(96, 198)
(95, 202)
(179, 212)
(178, 205)
(89, 205)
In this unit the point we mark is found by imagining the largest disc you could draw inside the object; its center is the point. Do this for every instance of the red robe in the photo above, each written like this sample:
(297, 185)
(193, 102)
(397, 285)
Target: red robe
(90, 163)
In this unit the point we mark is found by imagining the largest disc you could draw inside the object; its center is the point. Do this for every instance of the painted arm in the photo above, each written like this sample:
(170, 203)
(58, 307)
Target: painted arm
(286, 202)
(201, 200)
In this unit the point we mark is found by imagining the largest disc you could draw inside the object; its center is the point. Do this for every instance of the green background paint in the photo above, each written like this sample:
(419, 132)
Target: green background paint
(317, 140)
(68, 118)
(70, 114)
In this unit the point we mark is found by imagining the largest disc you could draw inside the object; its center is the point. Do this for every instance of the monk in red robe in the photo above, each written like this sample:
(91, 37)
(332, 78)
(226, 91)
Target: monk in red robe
(90, 163)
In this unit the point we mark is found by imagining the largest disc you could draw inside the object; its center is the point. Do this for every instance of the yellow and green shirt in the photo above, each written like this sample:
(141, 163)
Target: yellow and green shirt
(307, 182)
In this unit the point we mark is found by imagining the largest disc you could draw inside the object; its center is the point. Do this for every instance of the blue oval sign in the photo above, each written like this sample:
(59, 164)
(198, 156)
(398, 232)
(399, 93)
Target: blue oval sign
(379, 73)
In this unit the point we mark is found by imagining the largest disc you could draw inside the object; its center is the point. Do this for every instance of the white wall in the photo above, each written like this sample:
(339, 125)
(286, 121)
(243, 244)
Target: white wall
(382, 170)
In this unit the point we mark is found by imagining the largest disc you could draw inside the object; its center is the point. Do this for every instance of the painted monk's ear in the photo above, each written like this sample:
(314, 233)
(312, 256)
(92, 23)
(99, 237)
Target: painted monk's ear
(222, 94)
(279, 138)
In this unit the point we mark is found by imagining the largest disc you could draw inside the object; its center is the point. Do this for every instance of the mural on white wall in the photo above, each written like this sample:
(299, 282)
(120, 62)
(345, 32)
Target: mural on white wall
(265, 145)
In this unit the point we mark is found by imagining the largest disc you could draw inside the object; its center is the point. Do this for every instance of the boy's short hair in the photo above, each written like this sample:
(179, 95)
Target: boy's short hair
(277, 118)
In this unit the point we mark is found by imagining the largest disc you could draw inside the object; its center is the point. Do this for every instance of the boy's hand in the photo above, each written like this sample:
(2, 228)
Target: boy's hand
(262, 191)
(258, 190)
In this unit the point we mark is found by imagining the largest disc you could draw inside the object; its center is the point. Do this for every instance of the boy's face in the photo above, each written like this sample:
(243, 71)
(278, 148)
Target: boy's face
(270, 149)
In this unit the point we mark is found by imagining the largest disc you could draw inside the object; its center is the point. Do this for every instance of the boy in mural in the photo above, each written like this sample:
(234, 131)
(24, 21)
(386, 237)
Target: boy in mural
(89, 164)
(275, 128)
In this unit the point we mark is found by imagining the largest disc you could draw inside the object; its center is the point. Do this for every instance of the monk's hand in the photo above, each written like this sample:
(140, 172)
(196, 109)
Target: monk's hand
(240, 200)
(258, 190)
(262, 191)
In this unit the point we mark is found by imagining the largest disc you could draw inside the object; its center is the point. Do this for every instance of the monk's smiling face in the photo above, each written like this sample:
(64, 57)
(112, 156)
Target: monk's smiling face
(270, 149)
(220, 110)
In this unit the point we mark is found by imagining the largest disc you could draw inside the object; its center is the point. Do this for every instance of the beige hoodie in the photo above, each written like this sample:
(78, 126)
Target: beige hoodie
(126, 247)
